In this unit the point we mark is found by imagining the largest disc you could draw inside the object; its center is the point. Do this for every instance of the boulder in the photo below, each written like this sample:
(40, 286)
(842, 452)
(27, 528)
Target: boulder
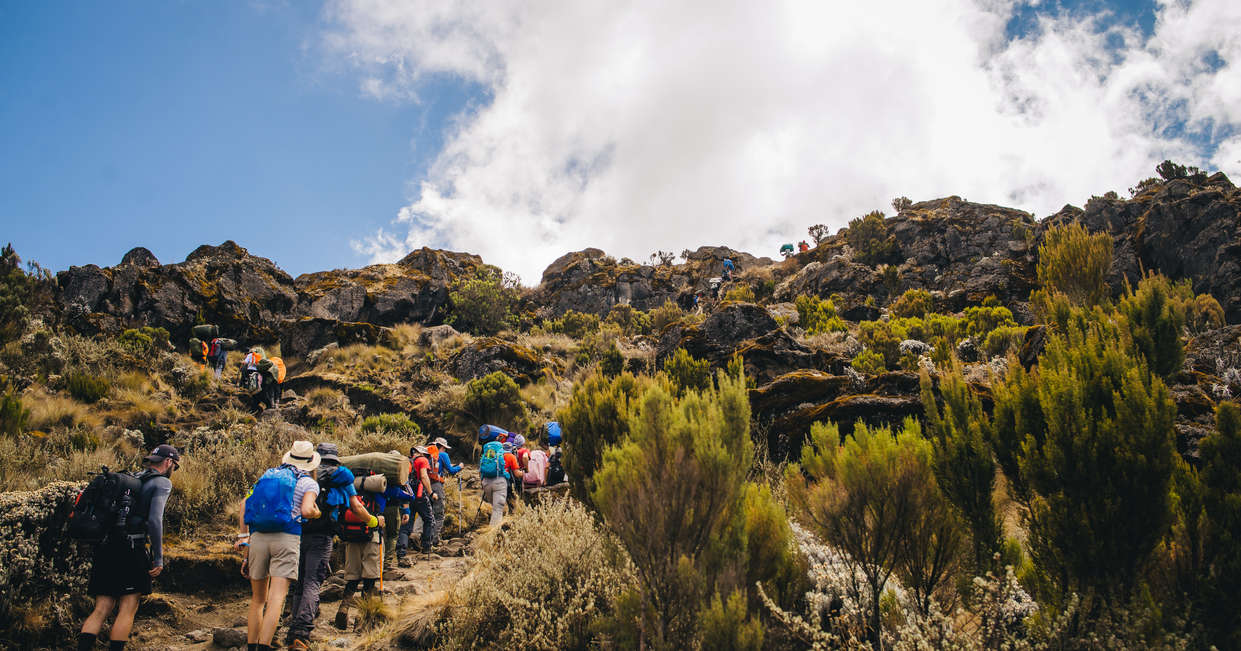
(228, 638)
(435, 335)
(298, 337)
(140, 256)
(490, 354)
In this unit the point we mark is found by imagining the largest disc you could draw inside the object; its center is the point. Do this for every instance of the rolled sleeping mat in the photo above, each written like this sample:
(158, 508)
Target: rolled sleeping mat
(206, 331)
(394, 467)
(370, 484)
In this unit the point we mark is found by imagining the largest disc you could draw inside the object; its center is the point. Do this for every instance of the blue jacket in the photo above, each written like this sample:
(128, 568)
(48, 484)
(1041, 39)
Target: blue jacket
(446, 464)
(339, 487)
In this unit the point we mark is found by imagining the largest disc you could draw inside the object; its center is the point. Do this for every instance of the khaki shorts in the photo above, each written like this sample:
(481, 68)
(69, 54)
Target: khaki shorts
(362, 559)
(274, 554)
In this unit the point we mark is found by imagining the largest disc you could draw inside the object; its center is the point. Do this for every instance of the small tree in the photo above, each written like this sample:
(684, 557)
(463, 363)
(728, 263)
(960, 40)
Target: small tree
(818, 232)
(631, 320)
(868, 235)
(913, 303)
(495, 399)
(687, 372)
(13, 414)
(901, 204)
(1074, 262)
(482, 303)
(869, 497)
(959, 433)
(663, 258)
(1221, 482)
(1155, 318)
(594, 419)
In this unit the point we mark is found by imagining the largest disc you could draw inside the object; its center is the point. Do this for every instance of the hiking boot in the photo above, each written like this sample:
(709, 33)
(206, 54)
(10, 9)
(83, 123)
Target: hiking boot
(342, 614)
(404, 562)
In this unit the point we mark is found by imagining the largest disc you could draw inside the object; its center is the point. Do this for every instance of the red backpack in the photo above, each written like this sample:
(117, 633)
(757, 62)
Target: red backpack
(353, 528)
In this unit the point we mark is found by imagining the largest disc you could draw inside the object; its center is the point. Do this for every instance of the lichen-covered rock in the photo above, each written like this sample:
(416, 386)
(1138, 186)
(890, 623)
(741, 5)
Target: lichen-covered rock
(41, 569)
(491, 354)
(299, 337)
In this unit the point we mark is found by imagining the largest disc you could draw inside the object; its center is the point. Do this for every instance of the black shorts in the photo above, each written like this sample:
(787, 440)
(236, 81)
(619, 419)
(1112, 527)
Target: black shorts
(120, 568)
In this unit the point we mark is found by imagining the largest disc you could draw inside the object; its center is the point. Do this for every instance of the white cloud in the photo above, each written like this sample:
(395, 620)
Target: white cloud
(656, 125)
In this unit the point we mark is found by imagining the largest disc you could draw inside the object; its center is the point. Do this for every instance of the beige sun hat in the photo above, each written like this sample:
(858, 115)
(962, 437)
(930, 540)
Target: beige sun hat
(302, 456)
(443, 444)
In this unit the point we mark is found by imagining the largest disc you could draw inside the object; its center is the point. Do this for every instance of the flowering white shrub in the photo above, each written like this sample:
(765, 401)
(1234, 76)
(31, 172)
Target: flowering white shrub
(540, 584)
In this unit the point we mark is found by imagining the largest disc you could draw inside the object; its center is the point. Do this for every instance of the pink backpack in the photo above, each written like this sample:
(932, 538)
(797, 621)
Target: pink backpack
(536, 469)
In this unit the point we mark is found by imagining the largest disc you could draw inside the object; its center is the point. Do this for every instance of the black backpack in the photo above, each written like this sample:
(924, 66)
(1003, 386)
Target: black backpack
(555, 470)
(107, 505)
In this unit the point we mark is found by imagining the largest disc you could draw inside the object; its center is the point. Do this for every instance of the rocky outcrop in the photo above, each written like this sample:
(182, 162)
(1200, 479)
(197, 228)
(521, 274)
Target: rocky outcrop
(490, 354)
(298, 337)
(966, 250)
(592, 281)
(244, 294)
(414, 290)
(1183, 228)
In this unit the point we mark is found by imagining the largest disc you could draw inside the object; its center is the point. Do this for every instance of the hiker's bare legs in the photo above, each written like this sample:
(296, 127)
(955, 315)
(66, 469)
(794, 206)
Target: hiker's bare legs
(103, 608)
(275, 605)
(124, 617)
(254, 619)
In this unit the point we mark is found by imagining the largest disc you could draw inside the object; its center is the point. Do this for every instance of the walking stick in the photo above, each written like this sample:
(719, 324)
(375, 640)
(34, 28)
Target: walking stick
(381, 562)
(460, 506)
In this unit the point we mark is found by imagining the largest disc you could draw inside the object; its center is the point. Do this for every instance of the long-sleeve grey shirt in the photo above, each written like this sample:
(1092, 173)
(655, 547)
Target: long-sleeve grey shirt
(155, 493)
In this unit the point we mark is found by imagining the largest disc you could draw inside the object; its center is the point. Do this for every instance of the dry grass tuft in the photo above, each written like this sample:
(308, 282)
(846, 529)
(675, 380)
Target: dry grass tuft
(48, 411)
(373, 612)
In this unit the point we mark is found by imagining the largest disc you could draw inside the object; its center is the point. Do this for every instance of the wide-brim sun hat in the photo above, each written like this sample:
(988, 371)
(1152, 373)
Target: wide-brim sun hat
(420, 449)
(302, 456)
(441, 443)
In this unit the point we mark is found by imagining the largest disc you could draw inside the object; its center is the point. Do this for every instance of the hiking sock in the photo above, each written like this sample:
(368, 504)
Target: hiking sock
(252, 646)
(368, 586)
(351, 587)
(116, 645)
(86, 641)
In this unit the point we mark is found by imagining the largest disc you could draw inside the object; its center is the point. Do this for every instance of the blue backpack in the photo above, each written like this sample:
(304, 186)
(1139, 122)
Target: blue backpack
(553, 433)
(491, 464)
(269, 508)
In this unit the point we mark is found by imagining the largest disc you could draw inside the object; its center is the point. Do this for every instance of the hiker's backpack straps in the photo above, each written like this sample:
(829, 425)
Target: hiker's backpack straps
(103, 508)
(269, 508)
(555, 469)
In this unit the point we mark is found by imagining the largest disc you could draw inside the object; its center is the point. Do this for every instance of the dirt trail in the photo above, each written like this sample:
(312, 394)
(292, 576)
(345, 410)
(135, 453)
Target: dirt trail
(188, 619)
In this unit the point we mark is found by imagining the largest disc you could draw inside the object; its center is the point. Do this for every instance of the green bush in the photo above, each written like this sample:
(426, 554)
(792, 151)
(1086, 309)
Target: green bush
(1221, 499)
(1003, 340)
(869, 238)
(1154, 317)
(913, 303)
(391, 423)
(631, 320)
(868, 362)
(1075, 263)
(13, 414)
(22, 293)
(686, 372)
(817, 316)
(1089, 434)
(981, 320)
(1204, 313)
(594, 419)
(495, 399)
(575, 324)
(674, 492)
(85, 387)
(144, 340)
(665, 315)
(875, 498)
(612, 362)
(740, 294)
(482, 303)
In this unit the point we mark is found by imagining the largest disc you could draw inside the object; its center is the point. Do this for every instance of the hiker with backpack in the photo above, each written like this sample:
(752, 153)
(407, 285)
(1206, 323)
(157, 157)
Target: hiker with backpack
(437, 455)
(423, 497)
(729, 268)
(337, 500)
(363, 540)
(251, 380)
(492, 468)
(124, 513)
(269, 533)
(217, 356)
(555, 459)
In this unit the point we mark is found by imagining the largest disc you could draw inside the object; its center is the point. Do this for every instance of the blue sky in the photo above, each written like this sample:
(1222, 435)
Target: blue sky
(171, 124)
(303, 131)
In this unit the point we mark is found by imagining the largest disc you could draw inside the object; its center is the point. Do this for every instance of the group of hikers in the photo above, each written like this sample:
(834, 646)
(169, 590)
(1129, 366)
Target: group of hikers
(288, 524)
(259, 374)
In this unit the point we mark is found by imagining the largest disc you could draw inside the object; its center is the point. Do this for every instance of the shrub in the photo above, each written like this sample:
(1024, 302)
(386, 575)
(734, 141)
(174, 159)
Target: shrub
(913, 303)
(674, 492)
(482, 303)
(1204, 313)
(817, 316)
(981, 320)
(959, 430)
(567, 582)
(901, 204)
(86, 387)
(687, 372)
(593, 420)
(575, 324)
(612, 362)
(818, 233)
(740, 293)
(22, 293)
(871, 497)
(13, 414)
(1221, 483)
(1154, 319)
(1003, 340)
(665, 315)
(868, 362)
(631, 320)
(869, 238)
(495, 398)
(1090, 434)
(144, 340)
(1076, 263)
(392, 423)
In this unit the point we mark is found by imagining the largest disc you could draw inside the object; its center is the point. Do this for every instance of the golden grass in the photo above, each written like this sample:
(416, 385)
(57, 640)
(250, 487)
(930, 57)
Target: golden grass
(48, 411)
(373, 612)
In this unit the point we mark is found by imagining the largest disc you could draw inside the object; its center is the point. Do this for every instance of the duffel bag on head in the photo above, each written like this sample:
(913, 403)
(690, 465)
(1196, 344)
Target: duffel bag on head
(553, 433)
(395, 467)
(491, 433)
(269, 508)
(206, 331)
(197, 351)
(228, 344)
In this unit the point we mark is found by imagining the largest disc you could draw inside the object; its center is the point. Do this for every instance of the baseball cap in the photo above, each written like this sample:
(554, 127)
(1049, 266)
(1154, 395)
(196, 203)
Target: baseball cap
(164, 451)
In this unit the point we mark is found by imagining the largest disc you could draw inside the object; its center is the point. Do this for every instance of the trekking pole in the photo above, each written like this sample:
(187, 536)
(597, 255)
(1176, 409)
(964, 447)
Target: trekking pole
(460, 507)
(381, 562)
